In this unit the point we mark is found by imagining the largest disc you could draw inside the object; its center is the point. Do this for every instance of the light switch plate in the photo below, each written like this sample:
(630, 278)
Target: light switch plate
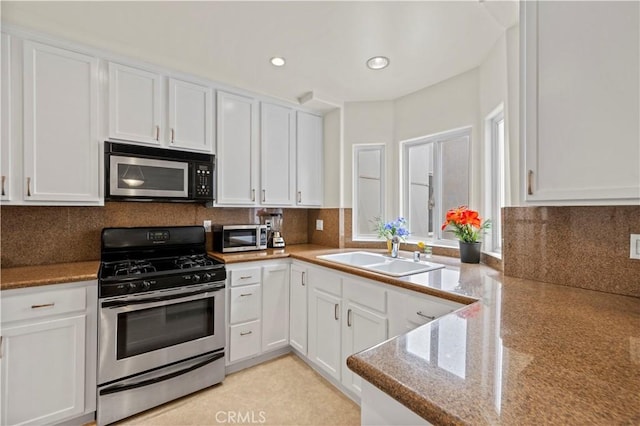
(634, 246)
(319, 225)
(207, 225)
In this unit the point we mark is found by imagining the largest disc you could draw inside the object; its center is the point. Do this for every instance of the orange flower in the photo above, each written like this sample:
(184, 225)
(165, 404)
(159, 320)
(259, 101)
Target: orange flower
(466, 224)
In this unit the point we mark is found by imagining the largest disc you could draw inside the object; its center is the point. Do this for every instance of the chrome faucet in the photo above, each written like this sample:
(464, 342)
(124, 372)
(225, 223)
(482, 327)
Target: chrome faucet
(395, 245)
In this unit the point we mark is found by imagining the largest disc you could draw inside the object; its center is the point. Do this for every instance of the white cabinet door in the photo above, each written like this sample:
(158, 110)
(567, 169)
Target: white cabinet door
(324, 320)
(43, 371)
(298, 309)
(581, 103)
(61, 147)
(190, 116)
(276, 154)
(5, 124)
(362, 329)
(135, 104)
(236, 150)
(309, 161)
(275, 307)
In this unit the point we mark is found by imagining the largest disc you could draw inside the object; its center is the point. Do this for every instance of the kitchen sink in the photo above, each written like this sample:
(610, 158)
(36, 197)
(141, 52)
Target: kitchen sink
(382, 264)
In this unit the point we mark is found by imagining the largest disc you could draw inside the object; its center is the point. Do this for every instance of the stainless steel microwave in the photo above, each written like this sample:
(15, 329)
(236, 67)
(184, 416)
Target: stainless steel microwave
(235, 238)
(141, 173)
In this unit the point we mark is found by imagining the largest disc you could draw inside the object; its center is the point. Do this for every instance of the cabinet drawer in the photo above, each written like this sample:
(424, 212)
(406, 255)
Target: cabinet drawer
(244, 340)
(42, 304)
(422, 309)
(245, 276)
(244, 303)
(365, 294)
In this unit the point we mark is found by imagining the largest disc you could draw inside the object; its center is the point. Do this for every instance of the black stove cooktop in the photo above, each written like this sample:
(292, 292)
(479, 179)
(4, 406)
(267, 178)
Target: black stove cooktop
(136, 260)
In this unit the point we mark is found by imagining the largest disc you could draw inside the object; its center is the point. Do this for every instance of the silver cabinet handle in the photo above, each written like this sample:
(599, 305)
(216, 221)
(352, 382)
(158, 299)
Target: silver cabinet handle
(4, 178)
(530, 182)
(253, 195)
(46, 305)
(245, 277)
(244, 333)
(157, 132)
(264, 195)
(303, 283)
(1, 341)
(335, 311)
(28, 187)
(246, 294)
(173, 135)
(420, 314)
(299, 196)
(348, 317)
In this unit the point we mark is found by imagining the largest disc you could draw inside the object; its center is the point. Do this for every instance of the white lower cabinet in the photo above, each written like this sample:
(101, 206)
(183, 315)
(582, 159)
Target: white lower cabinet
(325, 300)
(48, 353)
(364, 324)
(298, 308)
(258, 309)
(275, 307)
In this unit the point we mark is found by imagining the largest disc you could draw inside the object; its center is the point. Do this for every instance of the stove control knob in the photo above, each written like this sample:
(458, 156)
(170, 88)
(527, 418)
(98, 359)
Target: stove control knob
(146, 285)
(206, 276)
(196, 278)
(133, 287)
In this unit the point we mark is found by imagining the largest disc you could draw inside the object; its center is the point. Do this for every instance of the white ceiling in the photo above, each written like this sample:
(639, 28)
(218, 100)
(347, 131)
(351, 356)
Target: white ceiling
(326, 43)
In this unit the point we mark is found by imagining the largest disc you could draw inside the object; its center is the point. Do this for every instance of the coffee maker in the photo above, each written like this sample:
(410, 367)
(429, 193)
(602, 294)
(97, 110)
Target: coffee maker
(273, 219)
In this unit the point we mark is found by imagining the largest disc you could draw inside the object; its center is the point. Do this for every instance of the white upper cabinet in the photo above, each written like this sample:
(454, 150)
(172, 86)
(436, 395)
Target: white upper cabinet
(237, 150)
(135, 106)
(5, 124)
(61, 147)
(190, 115)
(277, 152)
(309, 161)
(581, 102)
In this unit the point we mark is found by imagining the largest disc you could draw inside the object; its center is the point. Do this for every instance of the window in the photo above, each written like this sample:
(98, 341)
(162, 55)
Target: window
(494, 126)
(435, 178)
(368, 189)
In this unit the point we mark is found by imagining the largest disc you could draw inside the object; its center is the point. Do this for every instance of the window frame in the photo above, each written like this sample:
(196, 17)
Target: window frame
(438, 139)
(495, 176)
(357, 148)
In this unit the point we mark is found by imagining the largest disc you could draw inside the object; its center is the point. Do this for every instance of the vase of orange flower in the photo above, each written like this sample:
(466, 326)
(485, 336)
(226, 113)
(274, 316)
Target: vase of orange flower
(467, 226)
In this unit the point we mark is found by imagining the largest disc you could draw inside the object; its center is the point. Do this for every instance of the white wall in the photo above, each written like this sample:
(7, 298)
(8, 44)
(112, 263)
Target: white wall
(332, 165)
(366, 122)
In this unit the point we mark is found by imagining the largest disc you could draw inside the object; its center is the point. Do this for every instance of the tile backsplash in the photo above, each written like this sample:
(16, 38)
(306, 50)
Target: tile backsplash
(586, 247)
(34, 235)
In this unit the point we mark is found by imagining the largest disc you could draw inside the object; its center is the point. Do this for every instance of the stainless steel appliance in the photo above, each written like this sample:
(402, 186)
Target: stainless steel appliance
(142, 173)
(237, 238)
(273, 219)
(161, 325)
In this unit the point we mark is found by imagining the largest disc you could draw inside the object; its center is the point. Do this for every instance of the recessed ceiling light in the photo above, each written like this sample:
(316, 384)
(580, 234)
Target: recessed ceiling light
(378, 62)
(277, 61)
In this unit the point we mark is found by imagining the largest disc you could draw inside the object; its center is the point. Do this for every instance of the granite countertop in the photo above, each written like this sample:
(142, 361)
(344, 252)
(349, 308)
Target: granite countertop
(521, 352)
(58, 273)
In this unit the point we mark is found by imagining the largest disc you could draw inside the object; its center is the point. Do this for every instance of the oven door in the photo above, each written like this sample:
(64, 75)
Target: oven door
(142, 332)
(145, 177)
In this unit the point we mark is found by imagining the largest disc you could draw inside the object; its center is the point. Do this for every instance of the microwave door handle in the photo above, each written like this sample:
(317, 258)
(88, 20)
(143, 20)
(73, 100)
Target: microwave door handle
(134, 385)
(149, 302)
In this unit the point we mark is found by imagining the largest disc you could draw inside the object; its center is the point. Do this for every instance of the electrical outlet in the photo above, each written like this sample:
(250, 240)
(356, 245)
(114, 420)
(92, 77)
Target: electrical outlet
(207, 225)
(319, 225)
(634, 246)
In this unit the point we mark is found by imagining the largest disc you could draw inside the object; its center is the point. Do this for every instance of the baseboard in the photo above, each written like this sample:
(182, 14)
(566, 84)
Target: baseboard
(241, 365)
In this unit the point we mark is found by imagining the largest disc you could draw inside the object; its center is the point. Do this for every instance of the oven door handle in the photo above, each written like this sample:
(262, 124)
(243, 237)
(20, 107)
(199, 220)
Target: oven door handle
(128, 302)
(147, 382)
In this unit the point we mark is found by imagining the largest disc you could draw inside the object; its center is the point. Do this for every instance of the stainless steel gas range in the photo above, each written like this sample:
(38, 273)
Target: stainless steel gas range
(161, 318)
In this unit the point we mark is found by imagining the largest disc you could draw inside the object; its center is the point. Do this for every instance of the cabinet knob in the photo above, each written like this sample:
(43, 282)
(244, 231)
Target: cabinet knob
(4, 178)
(335, 311)
(173, 135)
(157, 132)
(303, 283)
(530, 182)
(28, 187)
(348, 317)
(299, 196)
(264, 195)
(253, 195)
